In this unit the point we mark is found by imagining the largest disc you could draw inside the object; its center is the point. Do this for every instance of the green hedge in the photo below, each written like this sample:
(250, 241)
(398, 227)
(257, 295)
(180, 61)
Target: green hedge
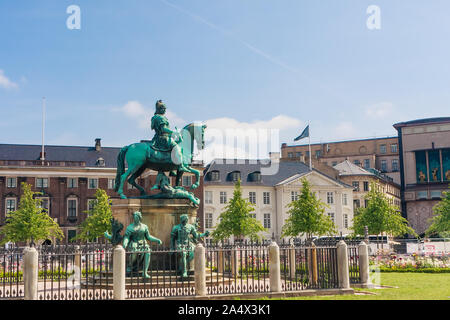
(412, 269)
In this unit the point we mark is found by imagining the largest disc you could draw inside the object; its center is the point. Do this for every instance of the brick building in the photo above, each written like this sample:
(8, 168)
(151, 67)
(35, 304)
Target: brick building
(68, 179)
(381, 154)
(425, 167)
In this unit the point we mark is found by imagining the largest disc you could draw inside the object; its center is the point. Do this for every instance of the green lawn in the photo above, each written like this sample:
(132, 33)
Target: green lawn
(411, 286)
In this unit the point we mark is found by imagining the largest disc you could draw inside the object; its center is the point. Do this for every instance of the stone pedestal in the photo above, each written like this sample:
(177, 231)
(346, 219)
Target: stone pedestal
(160, 215)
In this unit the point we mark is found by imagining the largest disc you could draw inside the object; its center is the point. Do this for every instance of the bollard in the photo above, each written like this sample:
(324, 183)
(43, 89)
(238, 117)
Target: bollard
(363, 253)
(119, 272)
(274, 267)
(220, 262)
(342, 261)
(200, 270)
(234, 263)
(314, 272)
(30, 273)
(292, 261)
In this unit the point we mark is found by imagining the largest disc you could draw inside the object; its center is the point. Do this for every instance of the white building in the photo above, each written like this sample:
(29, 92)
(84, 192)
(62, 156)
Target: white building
(272, 193)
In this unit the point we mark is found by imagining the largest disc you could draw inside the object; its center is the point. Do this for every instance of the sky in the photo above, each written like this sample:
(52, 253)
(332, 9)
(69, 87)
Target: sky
(262, 65)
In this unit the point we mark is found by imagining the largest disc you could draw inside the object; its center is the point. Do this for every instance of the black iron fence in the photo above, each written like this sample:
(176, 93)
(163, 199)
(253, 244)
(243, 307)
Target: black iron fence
(75, 272)
(156, 272)
(242, 267)
(308, 267)
(11, 272)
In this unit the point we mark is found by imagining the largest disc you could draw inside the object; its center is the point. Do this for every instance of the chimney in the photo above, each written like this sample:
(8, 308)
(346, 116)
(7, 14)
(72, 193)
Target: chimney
(274, 156)
(98, 145)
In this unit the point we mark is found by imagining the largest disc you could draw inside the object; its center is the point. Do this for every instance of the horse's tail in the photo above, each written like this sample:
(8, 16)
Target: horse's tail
(120, 166)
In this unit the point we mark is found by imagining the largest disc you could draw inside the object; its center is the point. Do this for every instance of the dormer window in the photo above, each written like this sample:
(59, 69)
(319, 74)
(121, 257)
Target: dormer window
(214, 175)
(235, 176)
(100, 162)
(254, 176)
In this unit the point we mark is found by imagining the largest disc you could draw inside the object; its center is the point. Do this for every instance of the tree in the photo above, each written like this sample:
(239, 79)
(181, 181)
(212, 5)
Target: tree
(380, 216)
(307, 216)
(236, 220)
(440, 222)
(30, 222)
(99, 218)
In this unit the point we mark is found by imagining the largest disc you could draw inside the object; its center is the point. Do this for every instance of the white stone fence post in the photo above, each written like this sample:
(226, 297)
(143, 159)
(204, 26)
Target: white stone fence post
(363, 252)
(200, 270)
(119, 273)
(30, 273)
(274, 267)
(342, 261)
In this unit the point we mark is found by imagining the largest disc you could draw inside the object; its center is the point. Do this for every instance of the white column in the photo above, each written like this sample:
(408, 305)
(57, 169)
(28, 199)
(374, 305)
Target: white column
(363, 253)
(274, 267)
(200, 270)
(342, 260)
(119, 270)
(30, 273)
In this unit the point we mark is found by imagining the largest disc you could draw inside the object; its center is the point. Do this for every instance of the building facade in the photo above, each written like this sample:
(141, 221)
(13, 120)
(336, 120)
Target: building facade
(425, 167)
(381, 154)
(361, 180)
(272, 193)
(67, 180)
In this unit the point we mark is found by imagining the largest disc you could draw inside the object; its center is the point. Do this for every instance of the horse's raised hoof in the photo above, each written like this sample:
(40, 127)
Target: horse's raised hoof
(194, 186)
(122, 196)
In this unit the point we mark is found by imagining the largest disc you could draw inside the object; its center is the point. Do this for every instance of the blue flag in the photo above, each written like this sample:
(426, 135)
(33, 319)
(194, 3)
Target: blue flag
(305, 134)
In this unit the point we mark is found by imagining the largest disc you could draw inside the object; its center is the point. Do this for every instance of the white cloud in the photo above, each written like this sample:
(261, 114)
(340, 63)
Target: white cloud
(345, 130)
(5, 82)
(380, 110)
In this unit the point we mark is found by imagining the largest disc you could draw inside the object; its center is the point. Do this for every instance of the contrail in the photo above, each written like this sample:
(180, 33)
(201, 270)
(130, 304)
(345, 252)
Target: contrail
(232, 36)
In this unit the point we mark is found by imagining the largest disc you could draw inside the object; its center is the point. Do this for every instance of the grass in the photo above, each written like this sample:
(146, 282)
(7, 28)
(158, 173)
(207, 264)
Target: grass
(410, 286)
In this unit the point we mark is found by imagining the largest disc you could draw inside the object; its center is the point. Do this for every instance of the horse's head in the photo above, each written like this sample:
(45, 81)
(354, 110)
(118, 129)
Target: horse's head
(197, 133)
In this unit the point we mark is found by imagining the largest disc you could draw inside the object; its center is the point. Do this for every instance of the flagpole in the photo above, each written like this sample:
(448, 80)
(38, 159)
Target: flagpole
(43, 129)
(310, 155)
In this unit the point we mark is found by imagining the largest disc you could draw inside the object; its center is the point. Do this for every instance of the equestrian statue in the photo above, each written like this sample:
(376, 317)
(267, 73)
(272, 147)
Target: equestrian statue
(169, 151)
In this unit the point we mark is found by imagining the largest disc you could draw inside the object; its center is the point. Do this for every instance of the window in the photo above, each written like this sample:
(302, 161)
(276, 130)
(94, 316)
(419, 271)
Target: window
(252, 197)
(111, 183)
(266, 197)
(91, 204)
(209, 221)
(422, 195)
(290, 155)
(255, 176)
(383, 149)
(395, 165)
(93, 183)
(267, 224)
(331, 215)
(356, 203)
(11, 182)
(10, 205)
(366, 163)
(208, 197)
(72, 183)
(187, 181)
(344, 199)
(235, 176)
(45, 204)
(357, 163)
(298, 154)
(223, 197)
(41, 182)
(366, 203)
(330, 197)
(318, 153)
(215, 175)
(72, 207)
(436, 194)
(71, 234)
(394, 148)
(345, 218)
(366, 185)
(334, 163)
(356, 185)
(383, 165)
(294, 195)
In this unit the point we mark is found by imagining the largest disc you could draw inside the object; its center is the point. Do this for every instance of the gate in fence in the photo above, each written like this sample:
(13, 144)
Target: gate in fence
(11, 273)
